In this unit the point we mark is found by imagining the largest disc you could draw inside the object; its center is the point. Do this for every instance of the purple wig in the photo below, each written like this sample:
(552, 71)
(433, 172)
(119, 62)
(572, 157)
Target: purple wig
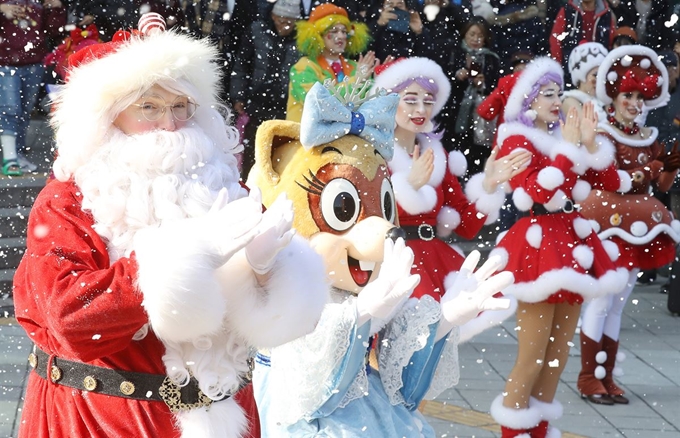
(429, 86)
(531, 96)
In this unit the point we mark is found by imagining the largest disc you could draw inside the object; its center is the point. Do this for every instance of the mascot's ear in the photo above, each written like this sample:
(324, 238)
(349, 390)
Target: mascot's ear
(270, 135)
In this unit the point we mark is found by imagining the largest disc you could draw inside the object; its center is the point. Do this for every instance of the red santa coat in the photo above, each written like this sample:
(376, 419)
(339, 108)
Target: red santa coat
(558, 256)
(75, 304)
(442, 204)
(637, 222)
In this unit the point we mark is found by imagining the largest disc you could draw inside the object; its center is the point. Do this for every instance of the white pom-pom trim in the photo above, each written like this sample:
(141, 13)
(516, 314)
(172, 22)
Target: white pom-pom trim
(582, 227)
(595, 225)
(617, 372)
(638, 228)
(457, 163)
(600, 372)
(612, 249)
(502, 253)
(584, 256)
(534, 235)
(645, 63)
(620, 356)
(626, 181)
(550, 177)
(626, 61)
(601, 357)
(581, 190)
(612, 76)
(531, 114)
(522, 200)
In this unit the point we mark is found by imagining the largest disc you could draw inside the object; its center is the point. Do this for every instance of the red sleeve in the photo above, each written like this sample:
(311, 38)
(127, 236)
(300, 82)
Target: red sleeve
(557, 29)
(471, 220)
(67, 295)
(491, 106)
(528, 180)
(607, 179)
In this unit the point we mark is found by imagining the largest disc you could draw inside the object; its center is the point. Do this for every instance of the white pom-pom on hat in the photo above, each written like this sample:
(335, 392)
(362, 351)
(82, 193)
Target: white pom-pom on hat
(612, 76)
(151, 23)
(645, 63)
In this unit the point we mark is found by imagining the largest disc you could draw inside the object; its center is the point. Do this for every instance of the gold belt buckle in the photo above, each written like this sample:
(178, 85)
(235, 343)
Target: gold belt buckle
(172, 396)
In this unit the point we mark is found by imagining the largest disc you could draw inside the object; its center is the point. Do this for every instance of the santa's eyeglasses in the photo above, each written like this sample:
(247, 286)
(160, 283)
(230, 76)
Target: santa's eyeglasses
(153, 108)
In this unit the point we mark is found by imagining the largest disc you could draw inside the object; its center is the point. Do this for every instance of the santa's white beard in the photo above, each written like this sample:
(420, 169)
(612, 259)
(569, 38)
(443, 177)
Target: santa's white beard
(132, 182)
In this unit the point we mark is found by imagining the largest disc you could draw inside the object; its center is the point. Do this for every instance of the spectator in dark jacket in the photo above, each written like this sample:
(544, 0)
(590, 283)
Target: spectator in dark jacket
(648, 18)
(25, 26)
(579, 20)
(259, 83)
(389, 40)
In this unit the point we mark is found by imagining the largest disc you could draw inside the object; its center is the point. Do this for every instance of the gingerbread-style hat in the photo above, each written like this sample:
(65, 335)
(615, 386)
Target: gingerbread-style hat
(633, 68)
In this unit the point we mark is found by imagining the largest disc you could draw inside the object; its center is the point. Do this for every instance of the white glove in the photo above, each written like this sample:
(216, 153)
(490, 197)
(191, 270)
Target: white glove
(229, 226)
(275, 233)
(472, 293)
(384, 296)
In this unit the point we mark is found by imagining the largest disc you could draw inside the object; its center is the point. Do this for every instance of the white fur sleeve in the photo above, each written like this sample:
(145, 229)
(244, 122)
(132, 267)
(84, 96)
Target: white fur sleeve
(288, 306)
(488, 204)
(181, 294)
(411, 200)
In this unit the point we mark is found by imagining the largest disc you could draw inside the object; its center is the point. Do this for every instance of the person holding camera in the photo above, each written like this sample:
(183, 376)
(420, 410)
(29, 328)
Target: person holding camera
(397, 31)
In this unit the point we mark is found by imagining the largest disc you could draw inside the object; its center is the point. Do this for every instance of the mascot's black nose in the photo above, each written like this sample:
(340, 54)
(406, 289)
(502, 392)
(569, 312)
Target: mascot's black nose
(395, 233)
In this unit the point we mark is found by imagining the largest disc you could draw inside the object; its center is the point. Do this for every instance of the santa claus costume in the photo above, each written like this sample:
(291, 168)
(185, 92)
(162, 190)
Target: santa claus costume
(439, 207)
(556, 257)
(636, 221)
(139, 285)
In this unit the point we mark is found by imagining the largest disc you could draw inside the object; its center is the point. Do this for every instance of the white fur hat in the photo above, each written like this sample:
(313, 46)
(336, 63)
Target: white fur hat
(584, 58)
(534, 71)
(103, 75)
(392, 74)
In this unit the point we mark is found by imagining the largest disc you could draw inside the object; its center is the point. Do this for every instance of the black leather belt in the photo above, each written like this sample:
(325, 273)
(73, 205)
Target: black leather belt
(423, 232)
(118, 383)
(539, 209)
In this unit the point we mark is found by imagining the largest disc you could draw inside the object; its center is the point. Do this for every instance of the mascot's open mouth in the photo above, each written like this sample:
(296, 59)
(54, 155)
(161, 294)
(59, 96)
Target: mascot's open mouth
(360, 271)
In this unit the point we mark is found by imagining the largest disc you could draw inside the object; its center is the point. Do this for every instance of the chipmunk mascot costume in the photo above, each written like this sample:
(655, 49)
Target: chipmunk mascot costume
(332, 166)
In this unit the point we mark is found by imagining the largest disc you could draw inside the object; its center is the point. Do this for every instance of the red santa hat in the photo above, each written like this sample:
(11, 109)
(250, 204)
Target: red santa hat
(391, 75)
(104, 78)
(583, 58)
(633, 68)
(494, 104)
(526, 80)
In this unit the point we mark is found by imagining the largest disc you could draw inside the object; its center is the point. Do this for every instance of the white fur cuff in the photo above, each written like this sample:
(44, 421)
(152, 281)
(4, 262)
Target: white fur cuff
(488, 204)
(626, 181)
(457, 163)
(411, 200)
(515, 418)
(603, 157)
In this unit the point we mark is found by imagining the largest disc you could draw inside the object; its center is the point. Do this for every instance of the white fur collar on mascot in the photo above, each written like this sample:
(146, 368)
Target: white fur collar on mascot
(219, 277)
(332, 166)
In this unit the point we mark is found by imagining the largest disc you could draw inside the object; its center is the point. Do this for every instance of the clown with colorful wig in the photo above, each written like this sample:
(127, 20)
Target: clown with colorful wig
(557, 258)
(324, 39)
(643, 228)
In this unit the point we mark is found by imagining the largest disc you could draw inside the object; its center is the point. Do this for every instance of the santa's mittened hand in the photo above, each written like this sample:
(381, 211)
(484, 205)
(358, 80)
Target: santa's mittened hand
(472, 292)
(274, 233)
(230, 226)
(384, 296)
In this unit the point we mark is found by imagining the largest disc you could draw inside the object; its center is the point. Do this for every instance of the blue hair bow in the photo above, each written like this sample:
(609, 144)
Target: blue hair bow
(325, 119)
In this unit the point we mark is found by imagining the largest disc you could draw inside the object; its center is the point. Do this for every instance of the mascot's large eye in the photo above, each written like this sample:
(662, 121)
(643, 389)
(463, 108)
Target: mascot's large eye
(387, 199)
(340, 204)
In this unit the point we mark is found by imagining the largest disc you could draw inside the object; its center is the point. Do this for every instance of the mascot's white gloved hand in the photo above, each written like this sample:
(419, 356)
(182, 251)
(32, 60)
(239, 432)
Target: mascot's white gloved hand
(229, 226)
(472, 292)
(384, 296)
(276, 232)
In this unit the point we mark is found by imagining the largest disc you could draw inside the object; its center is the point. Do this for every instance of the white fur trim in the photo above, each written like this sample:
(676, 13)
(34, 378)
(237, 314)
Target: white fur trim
(457, 163)
(623, 52)
(401, 161)
(553, 432)
(603, 157)
(530, 75)
(413, 201)
(550, 177)
(550, 411)
(500, 236)
(557, 202)
(522, 199)
(411, 68)
(595, 225)
(566, 279)
(487, 203)
(176, 276)
(288, 306)
(612, 249)
(514, 418)
(448, 220)
(82, 105)
(221, 419)
(534, 235)
(640, 142)
(582, 227)
(601, 357)
(600, 373)
(580, 191)
(626, 181)
(486, 320)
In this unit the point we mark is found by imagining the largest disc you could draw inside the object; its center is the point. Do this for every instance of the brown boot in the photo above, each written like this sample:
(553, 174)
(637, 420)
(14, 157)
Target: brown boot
(611, 347)
(589, 384)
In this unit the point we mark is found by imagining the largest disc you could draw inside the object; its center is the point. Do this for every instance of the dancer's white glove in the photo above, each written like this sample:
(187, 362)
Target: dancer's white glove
(275, 233)
(472, 292)
(384, 296)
